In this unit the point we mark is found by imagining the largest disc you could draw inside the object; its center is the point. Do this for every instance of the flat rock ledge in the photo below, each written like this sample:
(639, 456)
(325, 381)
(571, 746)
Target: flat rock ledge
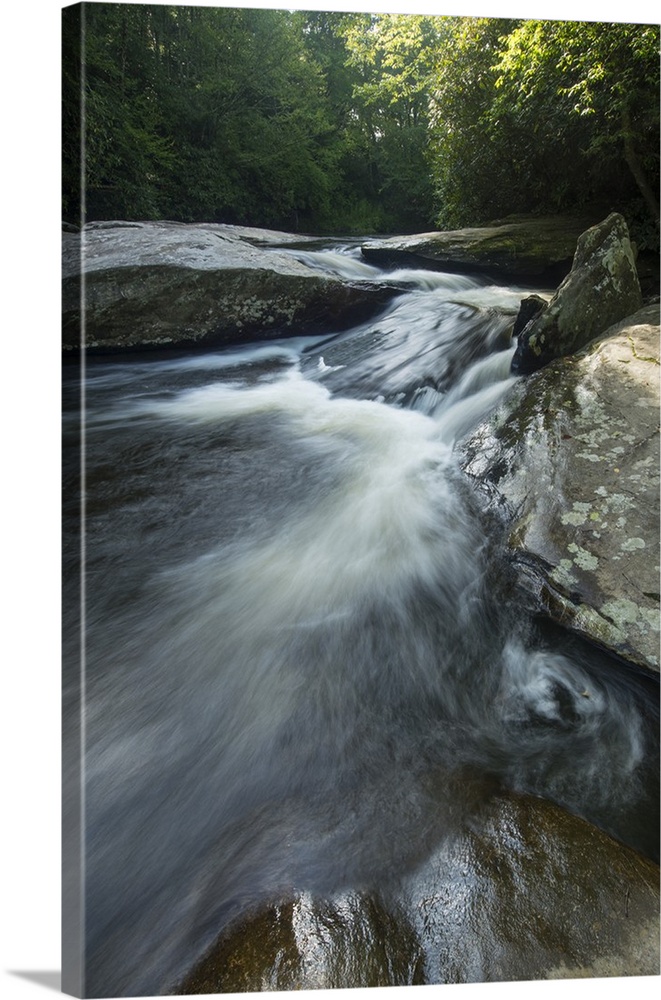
(571, 460)
(519, 248)
(164, 284)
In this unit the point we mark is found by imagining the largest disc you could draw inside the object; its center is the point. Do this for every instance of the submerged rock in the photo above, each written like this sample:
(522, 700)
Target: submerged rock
(572, 461)
(161, 284)
(526, 892)
(600, 290)
(540, 249)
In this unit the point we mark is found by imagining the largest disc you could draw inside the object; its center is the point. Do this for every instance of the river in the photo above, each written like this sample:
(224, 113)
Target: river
(301, 641)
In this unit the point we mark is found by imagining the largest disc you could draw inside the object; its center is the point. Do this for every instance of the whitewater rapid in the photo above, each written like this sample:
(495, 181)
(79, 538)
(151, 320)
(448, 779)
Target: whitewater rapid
(295, 618)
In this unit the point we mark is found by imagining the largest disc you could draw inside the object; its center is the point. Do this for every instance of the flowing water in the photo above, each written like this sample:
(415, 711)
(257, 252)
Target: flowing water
(301, 645)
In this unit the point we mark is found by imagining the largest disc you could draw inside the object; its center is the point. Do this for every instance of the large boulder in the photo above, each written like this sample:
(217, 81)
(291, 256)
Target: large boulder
(526, 892)
(572, 461)
(162, 284)
(519, 248)
(601, 289)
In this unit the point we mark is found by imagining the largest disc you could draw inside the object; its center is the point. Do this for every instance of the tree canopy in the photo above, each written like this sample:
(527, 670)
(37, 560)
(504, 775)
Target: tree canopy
(561, 113)
(339, 122)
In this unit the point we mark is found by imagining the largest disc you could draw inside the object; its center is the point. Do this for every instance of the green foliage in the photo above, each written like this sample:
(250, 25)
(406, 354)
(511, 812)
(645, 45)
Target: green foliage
(320, 121)
(200, 113)
(546, 116)
(391, 56)
(467, 160)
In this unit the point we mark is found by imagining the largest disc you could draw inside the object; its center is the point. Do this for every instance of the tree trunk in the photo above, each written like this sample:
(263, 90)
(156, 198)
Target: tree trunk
(636, 167)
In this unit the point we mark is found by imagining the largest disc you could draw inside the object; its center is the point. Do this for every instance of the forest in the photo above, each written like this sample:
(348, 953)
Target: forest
(338, 123)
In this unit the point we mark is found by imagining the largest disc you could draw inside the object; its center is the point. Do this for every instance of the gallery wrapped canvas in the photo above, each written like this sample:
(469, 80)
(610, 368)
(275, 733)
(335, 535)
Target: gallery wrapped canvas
(360, 465)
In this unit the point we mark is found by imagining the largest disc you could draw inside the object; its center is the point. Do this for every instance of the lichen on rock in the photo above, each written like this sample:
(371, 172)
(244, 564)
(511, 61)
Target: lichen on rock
(601, 289)
(161, 284)
(572, 461)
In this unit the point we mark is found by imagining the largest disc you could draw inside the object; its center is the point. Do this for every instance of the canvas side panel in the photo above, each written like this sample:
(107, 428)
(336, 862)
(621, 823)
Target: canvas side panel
(73, 944)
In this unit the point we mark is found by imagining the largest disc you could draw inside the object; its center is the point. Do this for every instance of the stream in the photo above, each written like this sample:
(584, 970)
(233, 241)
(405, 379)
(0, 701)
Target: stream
(305, 664)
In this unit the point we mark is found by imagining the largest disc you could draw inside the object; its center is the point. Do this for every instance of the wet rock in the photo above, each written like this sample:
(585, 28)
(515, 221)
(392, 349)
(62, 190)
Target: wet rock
(571, 459)
(168, 284)
(112, 224)
(531, 306)
(310, 943)
(520, 248)
(526, 892)
(600, 290)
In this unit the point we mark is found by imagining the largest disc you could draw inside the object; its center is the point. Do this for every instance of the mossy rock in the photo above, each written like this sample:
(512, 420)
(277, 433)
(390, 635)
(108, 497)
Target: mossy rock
(519, 248)
(600, 290)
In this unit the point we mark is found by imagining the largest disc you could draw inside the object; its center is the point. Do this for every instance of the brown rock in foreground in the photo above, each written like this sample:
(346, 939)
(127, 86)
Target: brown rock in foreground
(530, 892)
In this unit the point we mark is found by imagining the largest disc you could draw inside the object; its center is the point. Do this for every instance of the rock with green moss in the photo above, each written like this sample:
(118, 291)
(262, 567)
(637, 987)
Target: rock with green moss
(525, 892)
(160, 284)
(600, 290)
(571, 459)
(517, 248)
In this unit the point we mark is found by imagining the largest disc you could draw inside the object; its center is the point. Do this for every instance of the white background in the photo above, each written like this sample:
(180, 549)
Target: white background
(30, 541)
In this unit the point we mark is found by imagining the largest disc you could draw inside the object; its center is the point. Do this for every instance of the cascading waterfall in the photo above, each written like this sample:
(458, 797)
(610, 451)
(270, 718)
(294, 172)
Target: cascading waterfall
(295, 618)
